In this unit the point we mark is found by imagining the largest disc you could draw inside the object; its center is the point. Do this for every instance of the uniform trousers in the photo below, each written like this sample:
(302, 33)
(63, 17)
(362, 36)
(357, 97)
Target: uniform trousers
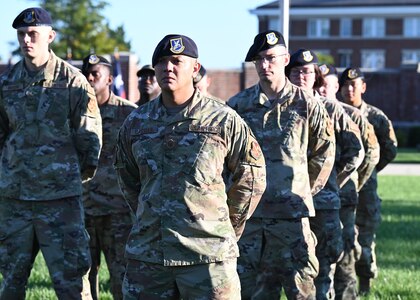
(276, 254)
(368, 219)
(56, 227)
(108, 235)
(145, 280)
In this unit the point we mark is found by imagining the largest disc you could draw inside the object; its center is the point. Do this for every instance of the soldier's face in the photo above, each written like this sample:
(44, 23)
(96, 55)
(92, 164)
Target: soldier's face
(330, 87)
(100, 78)
(147, 83)
(352, 91)
(34, 40)
(176, 72)
(303, 76)
(270, 63)
(203, 85)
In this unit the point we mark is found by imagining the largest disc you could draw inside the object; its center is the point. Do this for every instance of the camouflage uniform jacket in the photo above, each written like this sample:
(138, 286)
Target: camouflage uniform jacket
(370, 159)
(50, 130)
(348, 155)
(386, 138)
(172, 169)
(297, 139)
(102, 194)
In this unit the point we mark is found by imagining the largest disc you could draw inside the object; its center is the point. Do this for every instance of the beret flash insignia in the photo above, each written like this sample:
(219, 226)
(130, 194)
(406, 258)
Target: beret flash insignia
(324, 69)
(93, 59)
(271, 38)
(307, 56)
(352, 73)
(177, 46)
(29, 17)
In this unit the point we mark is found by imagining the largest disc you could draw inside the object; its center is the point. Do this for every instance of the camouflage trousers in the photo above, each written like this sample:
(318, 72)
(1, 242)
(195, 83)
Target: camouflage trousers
(218, 281)
(108, 234)
(368, 218)
(56, 227)
(327, 228)
(345, 280)
(276, 254)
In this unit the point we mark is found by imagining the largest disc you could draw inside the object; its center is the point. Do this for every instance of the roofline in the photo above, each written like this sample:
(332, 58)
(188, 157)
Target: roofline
(343, 11)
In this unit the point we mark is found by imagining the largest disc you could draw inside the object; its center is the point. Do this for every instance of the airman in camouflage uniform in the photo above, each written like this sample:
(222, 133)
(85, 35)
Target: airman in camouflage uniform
(50, 139)
(305, 73)
(108, 217)
(345, 274)
(368, 214)
(192, 171)
(297, 139)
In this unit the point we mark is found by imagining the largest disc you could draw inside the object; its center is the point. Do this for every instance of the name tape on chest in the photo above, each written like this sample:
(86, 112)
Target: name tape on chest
(205, 129)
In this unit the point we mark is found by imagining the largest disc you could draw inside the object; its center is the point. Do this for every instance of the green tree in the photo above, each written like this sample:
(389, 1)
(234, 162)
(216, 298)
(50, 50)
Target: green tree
(82, 29)
(325, 59)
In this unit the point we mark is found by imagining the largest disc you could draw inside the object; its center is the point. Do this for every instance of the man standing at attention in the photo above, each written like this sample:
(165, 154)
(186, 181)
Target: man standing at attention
(368, 214)
(148, 86)
(108, 217)
(50, 139)
(175, 156)
(297, 139)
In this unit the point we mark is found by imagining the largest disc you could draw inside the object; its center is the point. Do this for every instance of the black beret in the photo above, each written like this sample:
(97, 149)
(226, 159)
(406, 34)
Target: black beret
(93, 59)
(263, 41)
(302, 57)
(175, 44)
(351, 74)
(144, 69)
(200, 74)
(327, 69)
(33, 16)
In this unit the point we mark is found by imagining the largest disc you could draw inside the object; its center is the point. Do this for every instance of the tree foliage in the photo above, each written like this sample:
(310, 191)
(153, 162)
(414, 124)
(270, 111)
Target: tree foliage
(82, 29)
(325, 59)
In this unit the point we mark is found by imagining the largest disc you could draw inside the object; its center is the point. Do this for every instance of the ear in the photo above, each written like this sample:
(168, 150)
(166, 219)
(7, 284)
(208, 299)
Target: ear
(110, 79)
(363, 87)
(286, 58)
(51, 36)
(197, 67)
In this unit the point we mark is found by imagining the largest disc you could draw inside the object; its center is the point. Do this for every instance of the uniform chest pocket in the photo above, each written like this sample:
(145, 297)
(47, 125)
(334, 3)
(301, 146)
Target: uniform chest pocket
(204, 157)
(54, 107)
(145, 153)
(14, 106)
(289, 127)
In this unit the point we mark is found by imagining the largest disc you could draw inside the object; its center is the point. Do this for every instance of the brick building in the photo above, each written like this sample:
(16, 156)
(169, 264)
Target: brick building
(372, 34)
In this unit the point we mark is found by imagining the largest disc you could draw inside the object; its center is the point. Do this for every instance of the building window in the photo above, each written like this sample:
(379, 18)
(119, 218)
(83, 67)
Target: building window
(412, 27)
(318, 28)
(373, 59)
(346, 27)
(410, 56)
(344, 58)
(273, 23)
(373, 27)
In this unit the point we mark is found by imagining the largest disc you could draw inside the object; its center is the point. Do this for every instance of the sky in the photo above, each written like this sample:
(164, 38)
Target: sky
(222, 29)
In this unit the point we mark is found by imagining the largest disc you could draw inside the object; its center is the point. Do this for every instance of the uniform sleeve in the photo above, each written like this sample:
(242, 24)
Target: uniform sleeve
(127, 170)
(387, 141)
(246, 166)
(321, 148)
(4, 123)
(86, 123)
(351, 148)
(371, 146)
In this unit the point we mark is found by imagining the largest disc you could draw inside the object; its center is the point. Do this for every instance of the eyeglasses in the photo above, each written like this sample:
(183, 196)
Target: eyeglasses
(296, 72)
(270, 59)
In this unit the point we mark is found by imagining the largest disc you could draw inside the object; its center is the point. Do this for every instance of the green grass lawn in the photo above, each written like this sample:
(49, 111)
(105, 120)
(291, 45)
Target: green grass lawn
(398, 247)
(398, 239)
(407, 155)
